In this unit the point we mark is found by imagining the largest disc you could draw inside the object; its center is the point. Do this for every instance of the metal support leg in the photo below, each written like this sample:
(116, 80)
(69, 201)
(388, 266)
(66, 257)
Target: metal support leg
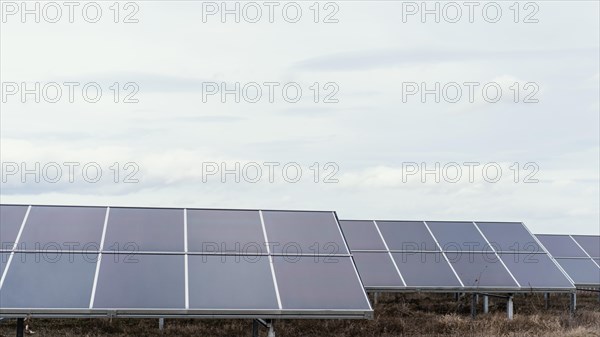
(456, 296)
(271, 329)
(547, 300)
(509, 307)
(254, 328)
(20, 327)
(473, 305)
(573, 305)
(375, 296)
(486, 307)
(161, 323)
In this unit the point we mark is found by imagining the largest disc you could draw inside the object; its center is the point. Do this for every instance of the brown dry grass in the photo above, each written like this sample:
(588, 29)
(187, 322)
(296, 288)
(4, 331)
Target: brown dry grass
(416, 315)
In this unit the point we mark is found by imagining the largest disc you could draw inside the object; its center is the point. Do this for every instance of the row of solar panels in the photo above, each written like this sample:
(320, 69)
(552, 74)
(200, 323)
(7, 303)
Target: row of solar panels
(447, 256)
(141, 262)
(577, 255)
(81, 261)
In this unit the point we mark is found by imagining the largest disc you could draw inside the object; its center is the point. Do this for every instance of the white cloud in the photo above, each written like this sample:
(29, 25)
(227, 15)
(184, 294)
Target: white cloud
(369, 133)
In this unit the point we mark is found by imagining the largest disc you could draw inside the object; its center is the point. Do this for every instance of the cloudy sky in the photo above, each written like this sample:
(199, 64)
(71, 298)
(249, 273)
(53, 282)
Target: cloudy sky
(365, 140)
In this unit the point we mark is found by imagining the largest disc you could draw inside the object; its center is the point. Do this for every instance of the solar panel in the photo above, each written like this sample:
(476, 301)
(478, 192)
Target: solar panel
(140, 282)
(303, 232)
(145, 229)
(509, 237)
(3, 259)
(11, 218)
(377, 270)
(407, 236)
(583, 272)
(452, 255)
(589, 243)
(308, 285)
(48, 280)
(571, 253)
(231, 282)
(225, 231)
(413, 259)
(535, 271)
(426, 271)
(561, 246)
(363, 235)
(162, 262)
(482, 270)
(458, 236)
(63, 229)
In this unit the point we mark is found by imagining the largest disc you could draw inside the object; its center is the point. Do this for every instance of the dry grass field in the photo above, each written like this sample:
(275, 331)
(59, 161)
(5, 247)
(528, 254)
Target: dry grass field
(414, 315)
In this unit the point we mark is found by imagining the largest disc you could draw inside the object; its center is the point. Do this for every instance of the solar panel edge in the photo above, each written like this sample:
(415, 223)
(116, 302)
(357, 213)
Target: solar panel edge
(172, 207)
(339, 227)
(211, 314)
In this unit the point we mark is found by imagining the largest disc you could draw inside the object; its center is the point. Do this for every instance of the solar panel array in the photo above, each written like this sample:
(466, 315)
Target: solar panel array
(146, 262)
(578, 255)
(451, 256)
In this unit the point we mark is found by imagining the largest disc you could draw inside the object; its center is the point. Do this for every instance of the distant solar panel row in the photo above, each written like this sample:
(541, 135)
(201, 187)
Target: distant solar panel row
(578, 255)
(139, 262)
(447, 256)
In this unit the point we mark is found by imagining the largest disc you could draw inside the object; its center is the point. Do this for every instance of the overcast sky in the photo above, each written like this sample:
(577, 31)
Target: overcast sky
(366, 132)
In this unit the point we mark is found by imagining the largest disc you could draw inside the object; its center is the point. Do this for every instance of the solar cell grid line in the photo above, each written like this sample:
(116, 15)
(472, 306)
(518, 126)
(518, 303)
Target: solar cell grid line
(11, 256)
(496, 253)
(267, 244)
(389, 253)
(444, 254)
(92, 297)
